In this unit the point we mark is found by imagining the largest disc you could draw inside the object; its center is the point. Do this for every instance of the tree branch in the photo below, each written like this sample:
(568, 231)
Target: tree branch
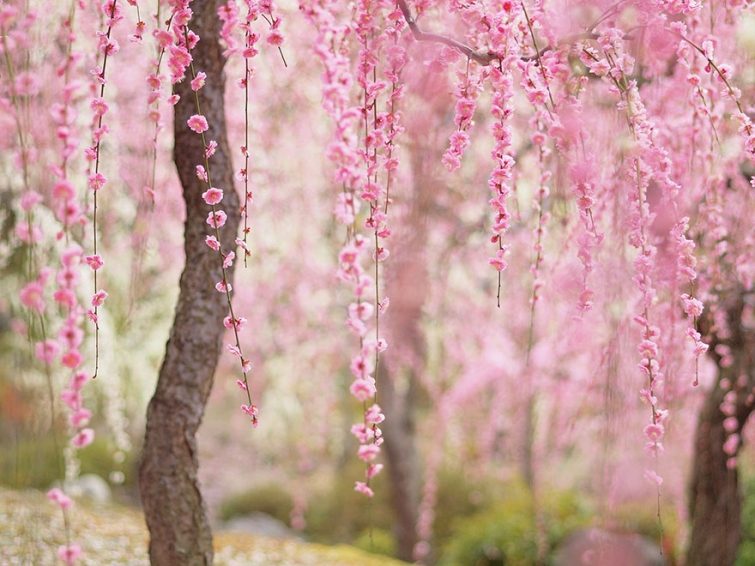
(483, 58)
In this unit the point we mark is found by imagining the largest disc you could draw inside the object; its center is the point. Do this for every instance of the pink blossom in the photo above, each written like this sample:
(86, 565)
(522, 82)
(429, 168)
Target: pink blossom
(692, 307)
(71, 397)
(63, 190)
(56, 495)
(80, 417)
(654, 432)
(47, 351)
(362, 389)
(94, 261)
(240, 322)
(78, 380)
(71, 359)
(99, 298)
(212, 242)
(374, 415)
(217, 219)
(69, 553)
(198, 123)
(363, 488)
(275, 38)
(498, 262)
(97, 181)
(373, 470)
(212, 196)
(29, 200)
(731, 424)
(252, 412)
(223, 287)
(83, 438)
(98, 106)
(198, 81)
(32, 296)
(212, 146)
(368, 452)
(653, 477)
(731, 444)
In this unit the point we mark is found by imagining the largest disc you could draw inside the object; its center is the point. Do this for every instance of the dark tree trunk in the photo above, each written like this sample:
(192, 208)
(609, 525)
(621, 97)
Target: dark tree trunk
(175, 512)
(400, 451)
(715, 504)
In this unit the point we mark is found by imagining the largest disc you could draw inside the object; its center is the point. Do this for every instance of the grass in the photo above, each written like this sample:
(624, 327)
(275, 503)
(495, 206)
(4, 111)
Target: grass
(31, 529)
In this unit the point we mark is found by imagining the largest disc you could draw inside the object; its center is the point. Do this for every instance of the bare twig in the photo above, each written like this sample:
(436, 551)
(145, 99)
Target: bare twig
(483, 58)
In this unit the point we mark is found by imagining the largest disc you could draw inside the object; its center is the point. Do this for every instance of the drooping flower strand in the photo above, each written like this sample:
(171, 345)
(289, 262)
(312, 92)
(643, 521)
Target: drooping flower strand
(501, 178)
(32, 295)
(647, 162)
(686, 273)
(164, 40)
(216, 219)
(397, 59)
(26, 233)
(108, 46)
(66, 208)
(140, 25)
(369, 46)
(274, 37)
(532, 22)
(347, 156)
(248, 52)
(466, 93)
(539, 141)
(723, 72)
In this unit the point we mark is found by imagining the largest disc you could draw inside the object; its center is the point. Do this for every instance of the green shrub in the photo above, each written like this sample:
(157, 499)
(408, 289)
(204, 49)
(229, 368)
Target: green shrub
(30, 463)
(38, 462)
(270, 499)
(505, 534)
(746, 556)
(376, 541)
(338, 514)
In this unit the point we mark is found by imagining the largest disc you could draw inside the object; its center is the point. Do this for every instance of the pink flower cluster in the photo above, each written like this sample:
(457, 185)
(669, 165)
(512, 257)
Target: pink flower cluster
(501, 178)
(466, 93)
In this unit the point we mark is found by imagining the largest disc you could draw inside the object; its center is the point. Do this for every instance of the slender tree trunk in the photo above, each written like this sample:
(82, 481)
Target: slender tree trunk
(175, 512)
(715, 504)
(407, 283)
(401, 456)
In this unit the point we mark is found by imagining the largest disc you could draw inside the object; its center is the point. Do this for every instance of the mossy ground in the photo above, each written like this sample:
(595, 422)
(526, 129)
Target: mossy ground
(31, 529)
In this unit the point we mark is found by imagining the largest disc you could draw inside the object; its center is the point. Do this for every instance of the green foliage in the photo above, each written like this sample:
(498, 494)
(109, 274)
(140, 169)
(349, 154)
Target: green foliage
(37, 462)
(97, 458)
(460, 496)
(27, 463)
(746, 556)
(505, 534)
(338, 514)
(271, 499)
(642, 518)
(376, 541)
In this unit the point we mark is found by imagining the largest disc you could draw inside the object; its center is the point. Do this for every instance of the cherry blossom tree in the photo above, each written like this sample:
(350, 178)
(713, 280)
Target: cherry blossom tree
(599, 173)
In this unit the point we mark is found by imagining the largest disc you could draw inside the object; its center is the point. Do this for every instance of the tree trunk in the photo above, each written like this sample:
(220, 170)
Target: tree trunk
(715, 501)
(407, 283)
(401, 457)
(175, 512)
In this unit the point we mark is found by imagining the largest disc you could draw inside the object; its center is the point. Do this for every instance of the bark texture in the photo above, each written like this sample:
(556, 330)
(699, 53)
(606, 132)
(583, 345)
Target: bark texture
(175, 512)
(715, 503)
